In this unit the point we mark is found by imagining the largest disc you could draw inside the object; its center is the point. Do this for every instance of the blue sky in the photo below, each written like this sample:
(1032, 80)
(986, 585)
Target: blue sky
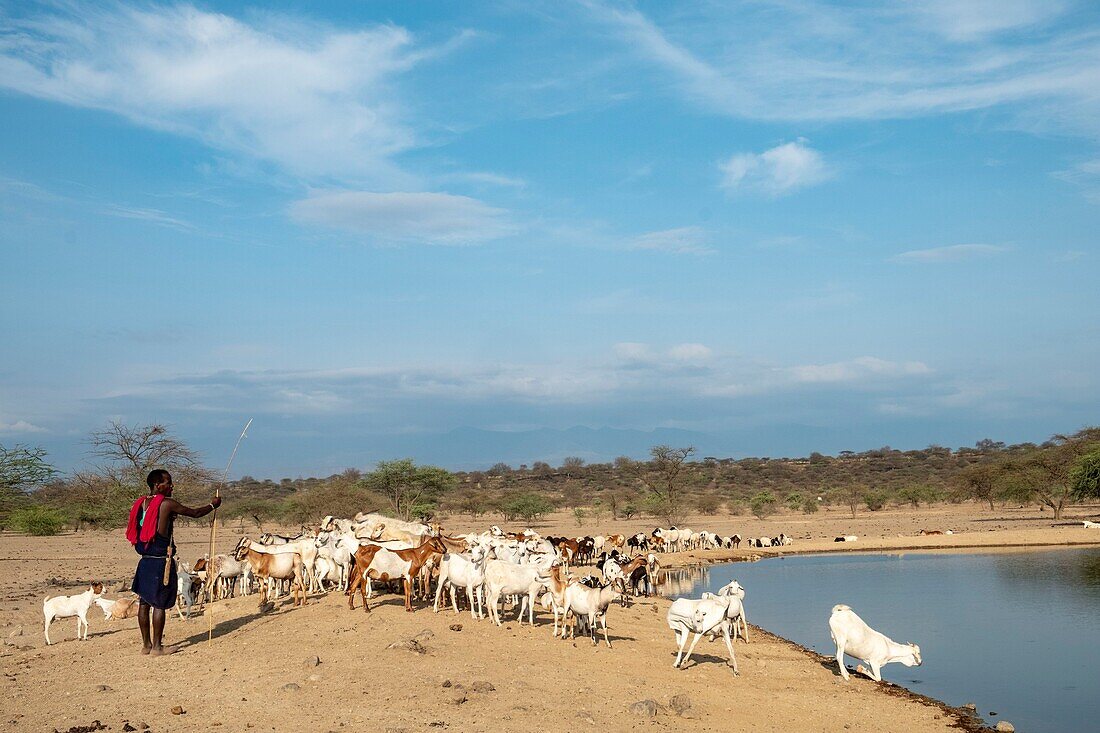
(383, 228)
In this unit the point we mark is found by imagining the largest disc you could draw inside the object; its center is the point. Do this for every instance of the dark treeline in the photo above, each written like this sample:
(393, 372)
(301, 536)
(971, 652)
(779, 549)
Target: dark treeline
(672, 483)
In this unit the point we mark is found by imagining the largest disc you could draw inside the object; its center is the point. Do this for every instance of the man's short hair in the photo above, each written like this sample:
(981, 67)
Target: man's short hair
(155, 477)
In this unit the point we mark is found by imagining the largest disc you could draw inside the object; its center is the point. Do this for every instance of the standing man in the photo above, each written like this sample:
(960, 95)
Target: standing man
(150, 532)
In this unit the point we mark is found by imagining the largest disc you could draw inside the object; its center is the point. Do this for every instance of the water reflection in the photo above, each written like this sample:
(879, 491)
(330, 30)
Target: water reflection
(682, 581)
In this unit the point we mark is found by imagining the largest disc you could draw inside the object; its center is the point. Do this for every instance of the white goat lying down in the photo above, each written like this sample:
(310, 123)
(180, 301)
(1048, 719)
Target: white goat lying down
(1091, 525)
(856, 639)
(118, 609)
(711, 614)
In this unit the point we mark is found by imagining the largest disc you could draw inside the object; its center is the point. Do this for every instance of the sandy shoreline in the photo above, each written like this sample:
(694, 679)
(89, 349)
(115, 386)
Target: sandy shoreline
(253, 676)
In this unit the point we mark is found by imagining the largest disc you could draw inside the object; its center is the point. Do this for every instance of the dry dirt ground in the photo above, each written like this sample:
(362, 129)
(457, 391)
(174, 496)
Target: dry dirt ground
(254, 675)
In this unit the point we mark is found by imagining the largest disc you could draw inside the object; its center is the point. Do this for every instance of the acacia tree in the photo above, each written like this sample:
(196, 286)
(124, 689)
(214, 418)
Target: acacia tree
(662, 477)
(412, 490)
(131, 451)
(1085, 476)
(1049, 472)
(980, 481)
(126, 454)
(21, 470)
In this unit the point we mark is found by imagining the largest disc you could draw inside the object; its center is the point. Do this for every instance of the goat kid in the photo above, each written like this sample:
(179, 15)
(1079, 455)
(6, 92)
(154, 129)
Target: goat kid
(69, 606)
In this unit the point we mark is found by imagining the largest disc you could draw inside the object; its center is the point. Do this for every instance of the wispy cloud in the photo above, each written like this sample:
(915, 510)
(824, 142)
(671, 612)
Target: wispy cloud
(680, 372)
(312, 99)
(681, 240)
(488, 178)
(153, 216)
(811, 60)
(952, 253)
(423, 218)
(776, 171)
(1086, 175)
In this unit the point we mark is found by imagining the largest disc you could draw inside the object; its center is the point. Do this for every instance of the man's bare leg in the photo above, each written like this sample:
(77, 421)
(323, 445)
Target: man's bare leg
(158, 633)
(143, 624)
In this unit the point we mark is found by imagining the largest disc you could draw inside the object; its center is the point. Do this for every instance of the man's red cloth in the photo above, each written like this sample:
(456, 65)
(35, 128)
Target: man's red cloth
(148, 527)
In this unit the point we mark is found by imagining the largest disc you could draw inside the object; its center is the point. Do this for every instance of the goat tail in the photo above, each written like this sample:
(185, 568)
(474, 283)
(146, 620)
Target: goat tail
(841, 607)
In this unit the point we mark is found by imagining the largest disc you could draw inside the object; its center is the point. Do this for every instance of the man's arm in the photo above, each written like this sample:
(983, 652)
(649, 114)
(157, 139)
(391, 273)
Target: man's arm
(194, 512)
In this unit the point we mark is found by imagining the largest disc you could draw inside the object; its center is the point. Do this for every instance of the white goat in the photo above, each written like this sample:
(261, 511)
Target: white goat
(461, 571)
(69, 606)
(506, 578)
(736, 612)
(185, 582)
(1091, 525)
(856, 639)
(709, 615)
(591, 604)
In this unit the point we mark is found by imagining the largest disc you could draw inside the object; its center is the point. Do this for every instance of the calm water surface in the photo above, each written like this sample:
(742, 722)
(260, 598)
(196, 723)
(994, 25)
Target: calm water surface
(1017, 633)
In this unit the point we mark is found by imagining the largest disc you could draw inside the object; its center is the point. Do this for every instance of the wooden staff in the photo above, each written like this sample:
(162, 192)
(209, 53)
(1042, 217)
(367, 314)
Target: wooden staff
(213, 535)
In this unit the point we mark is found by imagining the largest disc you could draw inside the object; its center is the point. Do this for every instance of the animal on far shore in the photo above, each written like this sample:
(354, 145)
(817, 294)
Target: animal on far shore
(855, 638)
(1091, 525)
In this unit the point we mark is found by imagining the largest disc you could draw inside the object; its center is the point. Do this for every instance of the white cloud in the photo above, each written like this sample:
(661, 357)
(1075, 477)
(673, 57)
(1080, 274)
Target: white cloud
(489, 178)
(683, 373)
(153, 216)
(953, 253)
(690, 353)
(856, 369)
(812, 60)
(681, 240)
(1086, 175)
(974, 19)
(312, 99)
(428, 218)
(777, 171)
(17, 427)
(633, 351)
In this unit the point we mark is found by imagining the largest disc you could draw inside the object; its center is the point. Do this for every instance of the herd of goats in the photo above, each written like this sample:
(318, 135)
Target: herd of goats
(490, 567)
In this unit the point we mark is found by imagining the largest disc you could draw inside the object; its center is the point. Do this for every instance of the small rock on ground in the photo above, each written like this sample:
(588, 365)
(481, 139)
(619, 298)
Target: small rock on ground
(292, 686)
(457, 696)
(483, 686)
(312, 661)
(456, 627)
(679, 703)
(1005, 726)
(645, 708)
(409, 645)
(586, 717)
(178, 710)
(103, 688)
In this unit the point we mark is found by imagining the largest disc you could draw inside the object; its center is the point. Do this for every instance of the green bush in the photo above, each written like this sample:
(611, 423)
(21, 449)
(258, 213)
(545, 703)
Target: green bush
(809, 506)
(875, 500)
(525, 506)
(37, 520)
(795, 502)
(763, 504)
